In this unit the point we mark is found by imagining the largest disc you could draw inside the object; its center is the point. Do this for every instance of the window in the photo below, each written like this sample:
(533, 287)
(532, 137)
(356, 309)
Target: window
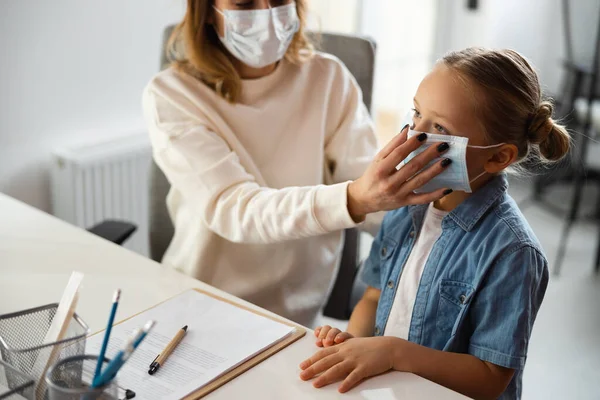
(404, 31)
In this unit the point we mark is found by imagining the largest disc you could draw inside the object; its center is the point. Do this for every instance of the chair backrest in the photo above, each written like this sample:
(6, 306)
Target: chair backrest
(357, 53)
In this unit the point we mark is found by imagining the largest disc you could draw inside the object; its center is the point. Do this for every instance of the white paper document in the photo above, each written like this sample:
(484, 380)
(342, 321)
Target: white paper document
(220, 337)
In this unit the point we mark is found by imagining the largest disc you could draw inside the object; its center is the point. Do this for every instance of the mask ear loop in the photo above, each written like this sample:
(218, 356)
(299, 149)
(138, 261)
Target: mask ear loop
(487, 147)
(219, 11)
(477, 177)
(483, 147)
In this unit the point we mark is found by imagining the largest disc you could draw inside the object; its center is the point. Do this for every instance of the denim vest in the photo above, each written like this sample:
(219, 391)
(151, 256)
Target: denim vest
(482, 285)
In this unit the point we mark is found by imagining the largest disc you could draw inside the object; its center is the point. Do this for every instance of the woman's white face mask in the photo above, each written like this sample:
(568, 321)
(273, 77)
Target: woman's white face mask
(259, 37)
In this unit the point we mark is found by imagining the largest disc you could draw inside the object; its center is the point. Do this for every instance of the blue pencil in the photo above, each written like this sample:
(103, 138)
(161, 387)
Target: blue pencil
(122, 356)
(117, 362)
(143, 334)
(111, 320)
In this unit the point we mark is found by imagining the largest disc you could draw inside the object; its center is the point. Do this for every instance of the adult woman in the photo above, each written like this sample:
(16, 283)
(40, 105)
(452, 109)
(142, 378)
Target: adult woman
(249, 127)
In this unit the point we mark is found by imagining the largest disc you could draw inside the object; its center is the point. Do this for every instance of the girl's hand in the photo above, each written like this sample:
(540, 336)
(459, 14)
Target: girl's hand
(382, 187)
(328, 336)
(353, 362)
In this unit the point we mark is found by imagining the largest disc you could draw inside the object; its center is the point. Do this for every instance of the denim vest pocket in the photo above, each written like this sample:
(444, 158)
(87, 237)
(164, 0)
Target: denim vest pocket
(454, 296)
(388, 245)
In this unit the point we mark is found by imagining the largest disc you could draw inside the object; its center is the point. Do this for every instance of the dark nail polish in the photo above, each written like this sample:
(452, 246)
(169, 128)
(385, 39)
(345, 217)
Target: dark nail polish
(446, 162)
(443, 147)
(422, 137)
(447, 192)
(404, 127)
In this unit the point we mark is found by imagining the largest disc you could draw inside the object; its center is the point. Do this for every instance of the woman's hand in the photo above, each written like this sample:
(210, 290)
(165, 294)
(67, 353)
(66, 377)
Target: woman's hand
(382, 187)
(328, 336)
(352, 361)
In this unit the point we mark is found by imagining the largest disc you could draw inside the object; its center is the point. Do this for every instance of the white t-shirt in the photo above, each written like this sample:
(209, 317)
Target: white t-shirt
(258, 188)
(401, 313)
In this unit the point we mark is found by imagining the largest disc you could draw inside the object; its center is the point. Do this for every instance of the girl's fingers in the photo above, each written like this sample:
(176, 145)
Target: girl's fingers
(322, 335)
(331, 336)
(323, 332)
(353, 379)
(317, 356)
(320, 366)
(333, 374)
(341, 337)
(317, 331)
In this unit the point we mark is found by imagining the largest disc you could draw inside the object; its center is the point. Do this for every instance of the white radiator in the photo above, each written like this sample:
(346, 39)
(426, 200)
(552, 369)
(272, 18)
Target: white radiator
(108, 180)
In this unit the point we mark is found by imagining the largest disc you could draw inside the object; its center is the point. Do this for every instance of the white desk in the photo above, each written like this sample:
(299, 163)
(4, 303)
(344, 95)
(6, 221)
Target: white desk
(38, 253)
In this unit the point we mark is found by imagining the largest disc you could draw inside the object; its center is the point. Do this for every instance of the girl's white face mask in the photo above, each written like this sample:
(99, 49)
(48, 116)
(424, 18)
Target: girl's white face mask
(259, 37)
(455, 176)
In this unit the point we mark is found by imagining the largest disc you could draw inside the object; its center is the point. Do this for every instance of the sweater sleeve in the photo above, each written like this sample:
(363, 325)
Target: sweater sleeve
(352, 143)
(201, 165)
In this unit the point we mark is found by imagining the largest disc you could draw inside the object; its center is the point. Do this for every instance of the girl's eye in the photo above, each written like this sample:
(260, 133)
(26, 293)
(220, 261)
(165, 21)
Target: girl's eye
(440, 129)
(416, 115)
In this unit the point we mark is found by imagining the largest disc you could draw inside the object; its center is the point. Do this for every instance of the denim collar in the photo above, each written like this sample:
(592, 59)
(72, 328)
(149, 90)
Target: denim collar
(470, 211)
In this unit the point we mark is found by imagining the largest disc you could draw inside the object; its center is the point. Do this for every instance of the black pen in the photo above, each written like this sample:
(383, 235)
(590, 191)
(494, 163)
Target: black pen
(162, 357)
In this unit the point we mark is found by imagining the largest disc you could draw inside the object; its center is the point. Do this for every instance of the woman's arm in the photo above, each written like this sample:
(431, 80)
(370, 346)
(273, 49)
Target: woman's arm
(228, 198)
(230, 201)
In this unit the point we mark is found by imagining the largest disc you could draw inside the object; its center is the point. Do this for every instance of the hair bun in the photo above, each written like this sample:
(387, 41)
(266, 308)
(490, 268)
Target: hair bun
(553, 139)
(541, 123)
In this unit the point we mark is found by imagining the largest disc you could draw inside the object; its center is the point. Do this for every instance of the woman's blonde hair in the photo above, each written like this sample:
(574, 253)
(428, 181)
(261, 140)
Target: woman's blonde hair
(510, 102)
(195, 49)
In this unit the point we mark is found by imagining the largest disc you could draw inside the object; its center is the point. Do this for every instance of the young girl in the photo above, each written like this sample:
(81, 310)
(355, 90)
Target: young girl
(455, 286)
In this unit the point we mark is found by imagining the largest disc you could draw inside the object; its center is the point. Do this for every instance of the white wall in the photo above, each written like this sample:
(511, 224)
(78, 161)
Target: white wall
(532, 27)
(71, 71)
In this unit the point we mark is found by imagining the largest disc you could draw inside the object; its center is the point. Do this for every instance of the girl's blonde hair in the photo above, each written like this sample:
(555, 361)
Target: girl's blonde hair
(195, 48)
(510, 101)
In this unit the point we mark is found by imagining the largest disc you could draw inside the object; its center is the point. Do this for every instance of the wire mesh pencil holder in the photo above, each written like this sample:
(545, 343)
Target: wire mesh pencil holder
(70, 379)
(22, 336)
(14, 384)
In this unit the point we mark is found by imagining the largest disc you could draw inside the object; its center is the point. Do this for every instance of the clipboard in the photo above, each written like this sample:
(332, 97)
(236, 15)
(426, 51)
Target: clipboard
(297, 334)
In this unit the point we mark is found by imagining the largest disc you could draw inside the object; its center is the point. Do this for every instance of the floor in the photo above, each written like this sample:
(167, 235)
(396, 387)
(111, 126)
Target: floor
(564, 352)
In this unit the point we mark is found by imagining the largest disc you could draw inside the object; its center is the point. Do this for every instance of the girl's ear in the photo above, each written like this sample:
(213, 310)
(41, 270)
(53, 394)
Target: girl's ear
(502, 158)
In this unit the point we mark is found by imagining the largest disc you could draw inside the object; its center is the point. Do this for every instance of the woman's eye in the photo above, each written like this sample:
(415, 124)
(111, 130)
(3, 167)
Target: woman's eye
(244, 4)
(416, 113)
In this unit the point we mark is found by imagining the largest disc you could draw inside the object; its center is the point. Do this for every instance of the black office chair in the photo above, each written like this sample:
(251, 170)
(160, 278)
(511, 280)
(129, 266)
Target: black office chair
(113, 231)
